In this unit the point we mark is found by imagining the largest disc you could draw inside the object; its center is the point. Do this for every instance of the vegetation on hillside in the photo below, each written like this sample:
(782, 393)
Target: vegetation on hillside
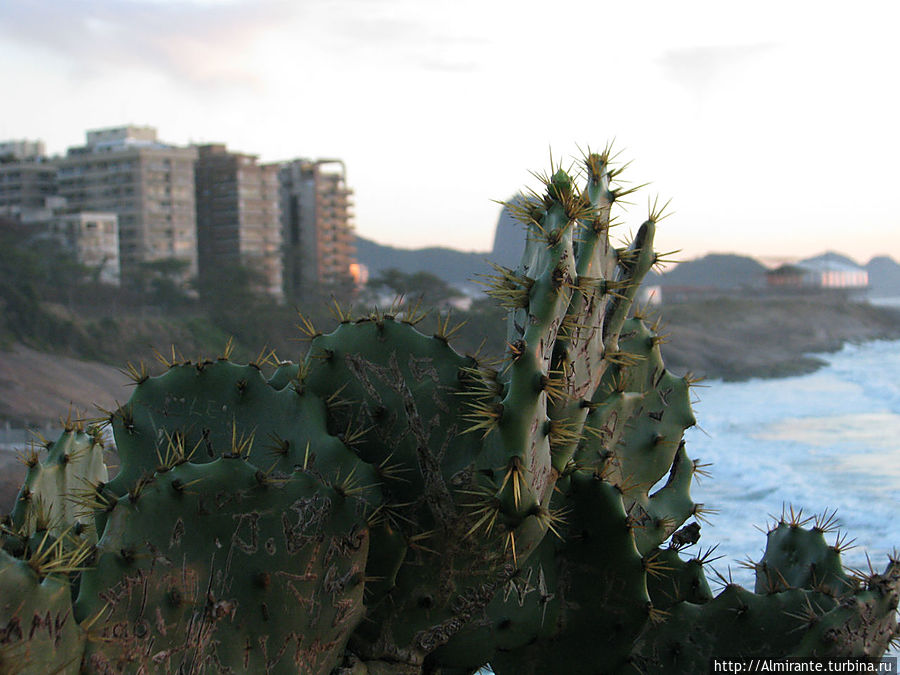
(50, 302)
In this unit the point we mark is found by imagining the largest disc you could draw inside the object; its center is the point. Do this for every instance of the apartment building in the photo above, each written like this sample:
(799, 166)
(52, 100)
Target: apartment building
(238, 215)
(27, 179)
(319, 242)
(94, 239)
(22, 150)
(148, 184)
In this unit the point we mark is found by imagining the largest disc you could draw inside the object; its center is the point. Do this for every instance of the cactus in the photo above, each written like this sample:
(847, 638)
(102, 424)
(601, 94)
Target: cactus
(805, 605)
(73, 461)
(217, 564)
(390, 505)
(38, 632)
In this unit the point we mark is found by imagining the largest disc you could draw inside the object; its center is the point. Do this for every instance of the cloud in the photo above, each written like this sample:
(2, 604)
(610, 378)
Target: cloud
(404, 33)
(195, 43)
(700, 69)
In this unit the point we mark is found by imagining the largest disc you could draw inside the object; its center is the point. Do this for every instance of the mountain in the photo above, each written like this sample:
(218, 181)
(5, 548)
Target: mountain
(445, 263)
(884, 276)
(716, 270)
(509, 238)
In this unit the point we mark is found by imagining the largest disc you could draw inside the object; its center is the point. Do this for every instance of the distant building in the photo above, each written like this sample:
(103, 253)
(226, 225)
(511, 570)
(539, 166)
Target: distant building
(238, 216)
(826, 271)
(148, 184)
(319, 245)
(22, 150)
(26, 177)
(94, 238)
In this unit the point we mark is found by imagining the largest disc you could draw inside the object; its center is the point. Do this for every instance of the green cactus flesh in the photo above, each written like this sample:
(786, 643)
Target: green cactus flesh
(38, 632)
(217, 565)
(73, 462)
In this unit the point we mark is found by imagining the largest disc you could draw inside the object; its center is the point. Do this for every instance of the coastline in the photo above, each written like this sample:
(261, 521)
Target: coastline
(738, 338)
(729, 338)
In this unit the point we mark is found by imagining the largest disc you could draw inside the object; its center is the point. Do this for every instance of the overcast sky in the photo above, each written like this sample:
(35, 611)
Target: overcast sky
(774, 127)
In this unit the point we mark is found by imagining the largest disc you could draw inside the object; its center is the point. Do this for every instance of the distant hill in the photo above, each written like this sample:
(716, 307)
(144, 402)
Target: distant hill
(716, 270)
(509, 238)
(445, 263)
(884, 276)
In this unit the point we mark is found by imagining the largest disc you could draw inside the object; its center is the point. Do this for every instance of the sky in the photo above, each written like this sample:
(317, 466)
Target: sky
(773, 127)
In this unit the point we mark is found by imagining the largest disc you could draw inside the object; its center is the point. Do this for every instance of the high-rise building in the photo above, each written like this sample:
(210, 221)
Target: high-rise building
(238, 218)
(148, 184)
(93, 238)
(26, 177)
(319, 242)
(22, 150)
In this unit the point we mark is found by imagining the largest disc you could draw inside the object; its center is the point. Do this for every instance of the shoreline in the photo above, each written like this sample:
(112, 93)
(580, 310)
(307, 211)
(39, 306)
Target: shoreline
(740, 338)
(729, 338)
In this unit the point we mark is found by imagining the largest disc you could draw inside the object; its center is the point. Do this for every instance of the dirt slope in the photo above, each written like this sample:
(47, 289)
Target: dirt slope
(37, 388)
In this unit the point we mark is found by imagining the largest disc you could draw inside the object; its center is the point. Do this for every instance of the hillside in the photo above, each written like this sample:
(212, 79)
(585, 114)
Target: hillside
(445, 263)
(718, 270)
(738, 337)
(727, 338)
(884, 276)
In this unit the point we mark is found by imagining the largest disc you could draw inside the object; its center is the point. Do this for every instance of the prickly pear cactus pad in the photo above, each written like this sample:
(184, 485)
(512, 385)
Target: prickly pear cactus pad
(72, 462)
(38, 632)
(209, 409)
(218, 566)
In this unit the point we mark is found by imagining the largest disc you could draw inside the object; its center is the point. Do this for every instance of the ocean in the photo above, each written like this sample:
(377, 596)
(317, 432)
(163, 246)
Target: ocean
(828, 441)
